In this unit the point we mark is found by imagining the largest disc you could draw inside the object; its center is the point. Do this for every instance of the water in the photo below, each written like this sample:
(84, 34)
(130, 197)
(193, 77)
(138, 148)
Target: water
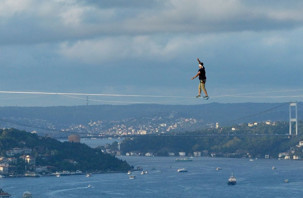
(95, 142)
(254, 179)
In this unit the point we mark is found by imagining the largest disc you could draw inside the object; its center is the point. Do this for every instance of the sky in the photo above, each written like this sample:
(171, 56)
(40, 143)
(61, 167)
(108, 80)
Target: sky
(145, 51)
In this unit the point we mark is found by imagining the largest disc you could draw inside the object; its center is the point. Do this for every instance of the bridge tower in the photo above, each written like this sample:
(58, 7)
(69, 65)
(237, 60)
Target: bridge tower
(293, 118)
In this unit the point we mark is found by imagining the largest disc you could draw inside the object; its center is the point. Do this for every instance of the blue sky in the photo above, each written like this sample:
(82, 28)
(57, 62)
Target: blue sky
(252, 51)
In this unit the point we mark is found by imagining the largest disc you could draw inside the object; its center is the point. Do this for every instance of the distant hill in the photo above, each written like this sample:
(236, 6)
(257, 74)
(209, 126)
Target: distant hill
(58, 155)
(245, 141)
(35, 118)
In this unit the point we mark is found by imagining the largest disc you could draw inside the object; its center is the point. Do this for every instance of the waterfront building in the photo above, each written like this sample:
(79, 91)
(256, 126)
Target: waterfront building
(74, 138)
(4, 168)
(171, 154)
(197, 154)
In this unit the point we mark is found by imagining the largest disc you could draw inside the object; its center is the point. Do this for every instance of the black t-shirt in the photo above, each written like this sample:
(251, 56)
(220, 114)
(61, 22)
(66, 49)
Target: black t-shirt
(202, 75)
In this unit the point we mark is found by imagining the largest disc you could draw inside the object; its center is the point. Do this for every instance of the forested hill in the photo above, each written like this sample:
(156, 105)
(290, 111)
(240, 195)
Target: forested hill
(58, 155)
(234, 141)
(211, 112)
(108, 119)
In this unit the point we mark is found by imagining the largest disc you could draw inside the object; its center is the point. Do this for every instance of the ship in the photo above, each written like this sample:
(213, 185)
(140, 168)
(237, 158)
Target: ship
(144, 172)
(232, 180)
(27, 194)
(184, 159)
(182, 170)
(4, 194)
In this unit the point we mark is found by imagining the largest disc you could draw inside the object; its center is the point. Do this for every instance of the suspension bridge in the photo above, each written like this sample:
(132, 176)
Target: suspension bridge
(293, 115)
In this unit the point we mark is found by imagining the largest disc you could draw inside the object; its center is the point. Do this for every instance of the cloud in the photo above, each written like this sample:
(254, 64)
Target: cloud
(125, 47)
(80, 44)
(34, 21)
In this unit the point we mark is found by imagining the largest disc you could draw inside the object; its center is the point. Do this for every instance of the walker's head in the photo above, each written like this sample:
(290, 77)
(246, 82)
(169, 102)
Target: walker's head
(200, 64)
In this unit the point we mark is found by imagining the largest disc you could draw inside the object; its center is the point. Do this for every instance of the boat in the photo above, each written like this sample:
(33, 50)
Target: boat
(143, 172)
(218, 168)
(286, 180)
(184, 159)
(182, 170)
(232, 180)
(27, 194)
(88, 175)
(4, 194)
(273, 168)
(129, 172)
(132, 177)
(31, 174)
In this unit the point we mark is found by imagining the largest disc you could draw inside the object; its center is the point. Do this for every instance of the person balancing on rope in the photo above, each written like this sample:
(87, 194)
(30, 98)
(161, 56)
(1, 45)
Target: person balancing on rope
(202, 78)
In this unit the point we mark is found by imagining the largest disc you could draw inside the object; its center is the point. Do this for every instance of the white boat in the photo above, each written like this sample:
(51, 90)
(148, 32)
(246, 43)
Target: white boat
(129, 172)
(218, 168)
(232, 180)
(182, 170)
(143, 172)
(132, 177)
(88, 175)
(184, 159)
(27, 194)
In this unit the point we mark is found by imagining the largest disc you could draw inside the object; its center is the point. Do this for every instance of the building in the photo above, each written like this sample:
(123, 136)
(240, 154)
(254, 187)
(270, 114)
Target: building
(295, 157)
(4, 169)
(197, 154)
(74, 138)
(18, 151)
(250, 125)
(300, 144)
(217, 125)
(149, 154)
(171, 154)
(182, 154)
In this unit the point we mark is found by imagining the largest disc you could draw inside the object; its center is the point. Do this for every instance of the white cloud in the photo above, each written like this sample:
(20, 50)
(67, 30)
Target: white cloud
(70, 20)
(10, 8)
(102, 50)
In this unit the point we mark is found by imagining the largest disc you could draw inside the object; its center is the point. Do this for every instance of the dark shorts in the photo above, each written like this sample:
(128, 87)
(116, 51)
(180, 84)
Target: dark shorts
(203, 81)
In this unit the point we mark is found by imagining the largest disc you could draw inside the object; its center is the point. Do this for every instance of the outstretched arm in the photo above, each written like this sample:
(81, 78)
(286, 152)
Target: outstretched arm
(198, 60)
(195, 76)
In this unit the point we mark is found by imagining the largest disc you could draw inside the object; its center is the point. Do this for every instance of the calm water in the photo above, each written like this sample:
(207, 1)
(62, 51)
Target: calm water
(95, 142)
(255, 179)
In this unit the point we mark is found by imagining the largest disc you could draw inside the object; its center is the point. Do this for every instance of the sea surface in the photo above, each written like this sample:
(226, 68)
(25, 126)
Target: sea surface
(255, 178)
(95, 142)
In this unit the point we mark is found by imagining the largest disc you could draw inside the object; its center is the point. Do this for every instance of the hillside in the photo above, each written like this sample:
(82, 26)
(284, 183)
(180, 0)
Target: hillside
(23, 151)
(105, 119)
(234, 141)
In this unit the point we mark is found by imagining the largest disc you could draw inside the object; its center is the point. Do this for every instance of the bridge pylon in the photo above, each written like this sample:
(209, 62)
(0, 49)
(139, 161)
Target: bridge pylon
(293, 117)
